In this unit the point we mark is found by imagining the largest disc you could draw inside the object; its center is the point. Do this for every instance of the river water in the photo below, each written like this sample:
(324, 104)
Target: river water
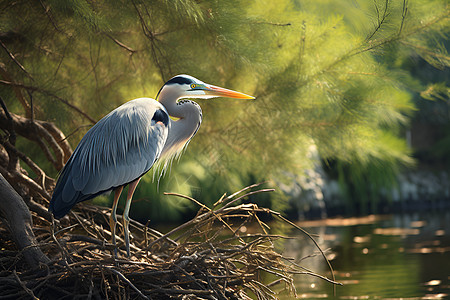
(376, 257)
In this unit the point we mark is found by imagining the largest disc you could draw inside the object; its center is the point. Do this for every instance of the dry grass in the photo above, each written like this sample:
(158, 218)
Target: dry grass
(207, 257)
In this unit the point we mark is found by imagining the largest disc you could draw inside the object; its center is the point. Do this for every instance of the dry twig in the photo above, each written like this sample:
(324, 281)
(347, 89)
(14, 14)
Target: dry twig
(214, 261)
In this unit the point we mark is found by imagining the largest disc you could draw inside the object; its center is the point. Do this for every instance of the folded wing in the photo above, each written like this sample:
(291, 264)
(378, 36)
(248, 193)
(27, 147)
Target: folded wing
(120, 148)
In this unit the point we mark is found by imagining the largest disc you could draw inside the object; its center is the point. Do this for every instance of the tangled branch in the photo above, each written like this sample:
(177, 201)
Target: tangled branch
(208, 257)
(47, 136)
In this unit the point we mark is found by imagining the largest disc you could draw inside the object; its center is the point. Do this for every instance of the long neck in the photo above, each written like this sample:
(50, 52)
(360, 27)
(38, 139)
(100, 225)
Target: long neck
(189, 116)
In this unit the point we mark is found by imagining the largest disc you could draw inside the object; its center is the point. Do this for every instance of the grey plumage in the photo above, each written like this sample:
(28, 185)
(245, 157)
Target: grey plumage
(121, 147)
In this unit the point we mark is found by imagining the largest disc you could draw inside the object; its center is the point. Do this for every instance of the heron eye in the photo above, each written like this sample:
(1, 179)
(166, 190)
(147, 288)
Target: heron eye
(193, 86)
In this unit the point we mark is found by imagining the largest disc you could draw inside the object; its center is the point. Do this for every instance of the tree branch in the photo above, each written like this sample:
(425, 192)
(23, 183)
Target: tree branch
(44, 179)
(59, 138)
(380, 19)
(26, 106)
(38, 132)
(13, 58)
(49, 16)
(120, 44)
(50, 94)
(13, 160)
(18, 219)
(19, 179)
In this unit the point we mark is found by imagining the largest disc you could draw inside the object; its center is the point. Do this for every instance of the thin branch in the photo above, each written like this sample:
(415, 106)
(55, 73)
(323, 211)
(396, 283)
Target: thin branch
(31, 106)
(58, 152)
(313, 240)
(273, 24)
(151, 37)
(204, 207)
(36, 132)
(204, 262)
(33, 166)
(426, 51)
(48, 154)
(404, 13)
(380, 19)
(120, 44)
(49, 16)
(30, 183)
(5, 74)
(59, 137)
(13, 162)
(24, 287)
(13, 58)
(128, 282)
(45, 92)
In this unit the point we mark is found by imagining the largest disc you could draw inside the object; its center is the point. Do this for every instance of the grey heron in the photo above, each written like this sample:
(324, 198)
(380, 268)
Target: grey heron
(124, 145)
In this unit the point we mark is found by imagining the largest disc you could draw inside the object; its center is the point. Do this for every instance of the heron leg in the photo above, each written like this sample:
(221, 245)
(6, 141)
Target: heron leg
(113, 217)
(126, 218)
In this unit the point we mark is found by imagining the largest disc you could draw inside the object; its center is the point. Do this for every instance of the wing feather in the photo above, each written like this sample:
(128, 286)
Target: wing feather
(120, 148)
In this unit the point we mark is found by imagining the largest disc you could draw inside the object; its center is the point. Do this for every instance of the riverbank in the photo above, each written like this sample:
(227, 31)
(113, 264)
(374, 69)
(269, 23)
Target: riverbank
(315, 195)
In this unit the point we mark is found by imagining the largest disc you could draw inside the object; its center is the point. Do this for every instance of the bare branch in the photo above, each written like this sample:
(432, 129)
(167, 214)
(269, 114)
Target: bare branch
(273, 24)
(45, 92)
(34, 188)
(205, 262)
(13, 58)
(152, 38)
(380, 18)
(404, 13)
(59, 137)
(24, 287)
(13, 161)
(43, 178)
(49, 16)
(36, 132)
(122, 45)
(128, 282)
(4, 73)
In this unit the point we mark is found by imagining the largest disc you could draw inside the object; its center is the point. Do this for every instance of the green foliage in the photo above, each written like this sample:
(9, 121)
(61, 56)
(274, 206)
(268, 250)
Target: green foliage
(325, 73)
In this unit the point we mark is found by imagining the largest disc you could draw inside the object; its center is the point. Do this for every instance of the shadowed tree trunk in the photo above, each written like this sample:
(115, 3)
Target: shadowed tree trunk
(17, 217)
(34, 186)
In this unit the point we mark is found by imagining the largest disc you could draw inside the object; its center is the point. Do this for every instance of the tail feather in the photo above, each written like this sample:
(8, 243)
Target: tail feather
(60, 208)
(65, 195)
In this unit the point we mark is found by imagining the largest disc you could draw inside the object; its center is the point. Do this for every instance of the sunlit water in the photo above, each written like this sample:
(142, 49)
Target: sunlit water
(386, 257)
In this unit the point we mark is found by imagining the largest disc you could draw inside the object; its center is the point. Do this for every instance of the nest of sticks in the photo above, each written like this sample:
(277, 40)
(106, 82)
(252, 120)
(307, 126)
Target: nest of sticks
(208, 257)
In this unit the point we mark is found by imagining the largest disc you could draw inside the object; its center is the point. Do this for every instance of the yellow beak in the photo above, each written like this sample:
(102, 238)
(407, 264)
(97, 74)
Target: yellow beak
(221, 92)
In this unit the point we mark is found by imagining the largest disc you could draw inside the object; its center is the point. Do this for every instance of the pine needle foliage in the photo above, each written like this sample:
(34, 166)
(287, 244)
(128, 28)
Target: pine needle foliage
(317, 68)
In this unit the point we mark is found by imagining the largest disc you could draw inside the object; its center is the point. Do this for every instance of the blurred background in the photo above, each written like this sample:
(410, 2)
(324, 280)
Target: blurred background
(351, 117)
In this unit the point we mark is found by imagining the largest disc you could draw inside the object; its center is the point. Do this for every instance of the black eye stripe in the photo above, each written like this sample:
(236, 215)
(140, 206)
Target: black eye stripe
(179, 80)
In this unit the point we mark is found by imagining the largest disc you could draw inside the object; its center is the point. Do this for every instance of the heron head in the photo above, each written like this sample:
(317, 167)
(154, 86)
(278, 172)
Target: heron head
(186, 86)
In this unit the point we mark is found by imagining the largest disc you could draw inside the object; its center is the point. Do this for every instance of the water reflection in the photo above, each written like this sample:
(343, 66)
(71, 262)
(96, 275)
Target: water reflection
(385, 257)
